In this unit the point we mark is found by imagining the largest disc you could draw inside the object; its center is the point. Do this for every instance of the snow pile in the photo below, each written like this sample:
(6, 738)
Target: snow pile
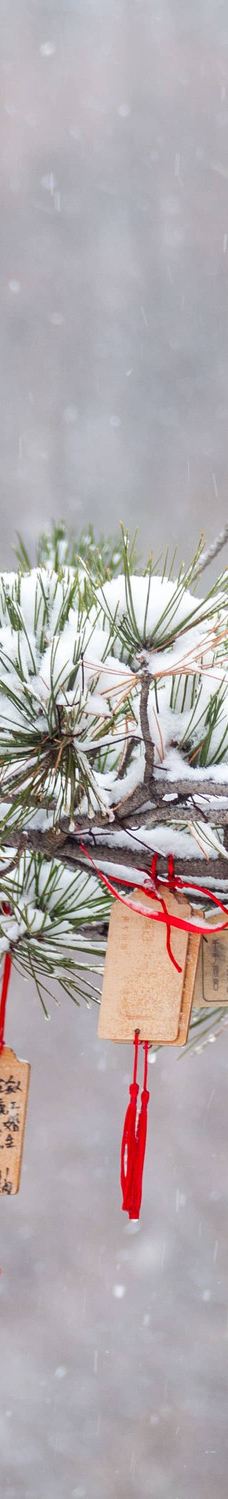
(157, 605)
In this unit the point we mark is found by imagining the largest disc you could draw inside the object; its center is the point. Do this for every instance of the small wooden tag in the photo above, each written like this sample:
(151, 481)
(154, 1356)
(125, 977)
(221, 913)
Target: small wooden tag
(211, 984)
(198, 999)
(215, 969)
(141, 987)
(193, 950)
(14, 1085)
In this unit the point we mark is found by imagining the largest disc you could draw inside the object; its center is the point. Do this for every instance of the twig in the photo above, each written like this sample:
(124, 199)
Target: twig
(146, 735)
(212, 551)
(164, 786)
(173, 812)
(190, 785)
(135, 799)
(126, 757)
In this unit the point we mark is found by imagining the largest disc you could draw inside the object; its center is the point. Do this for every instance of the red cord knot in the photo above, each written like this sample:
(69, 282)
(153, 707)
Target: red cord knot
(184, 924)
(133, 1090)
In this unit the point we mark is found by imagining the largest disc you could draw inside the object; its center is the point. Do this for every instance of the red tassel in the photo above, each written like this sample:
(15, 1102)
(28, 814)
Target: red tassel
(134, 1141)
(129, 1134)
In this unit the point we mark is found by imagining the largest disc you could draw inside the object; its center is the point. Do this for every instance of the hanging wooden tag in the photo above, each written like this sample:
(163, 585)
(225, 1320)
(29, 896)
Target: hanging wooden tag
(14, 1085)
(193, 950)
(211, 984)
(142, 988)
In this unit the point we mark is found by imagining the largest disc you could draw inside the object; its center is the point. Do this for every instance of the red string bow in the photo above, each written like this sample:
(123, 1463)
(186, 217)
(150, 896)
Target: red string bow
(168, 918)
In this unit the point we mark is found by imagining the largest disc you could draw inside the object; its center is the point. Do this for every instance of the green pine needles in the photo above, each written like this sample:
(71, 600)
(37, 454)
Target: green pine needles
(114, 728)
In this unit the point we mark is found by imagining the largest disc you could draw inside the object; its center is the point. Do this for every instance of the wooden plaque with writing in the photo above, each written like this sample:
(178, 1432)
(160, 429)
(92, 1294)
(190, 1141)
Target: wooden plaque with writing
(142, 988)
(14, 1085)
(211, 984)
(188, 987)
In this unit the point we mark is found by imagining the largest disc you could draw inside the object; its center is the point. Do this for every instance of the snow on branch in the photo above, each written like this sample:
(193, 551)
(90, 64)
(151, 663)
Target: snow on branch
(212, 551)
(113, 730)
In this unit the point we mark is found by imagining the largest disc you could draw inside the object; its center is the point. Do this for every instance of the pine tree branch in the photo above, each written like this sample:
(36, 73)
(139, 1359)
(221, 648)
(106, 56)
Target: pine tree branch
(190, 785)
(163, 787)
(171, 813)
(215, 869)
(68, 852)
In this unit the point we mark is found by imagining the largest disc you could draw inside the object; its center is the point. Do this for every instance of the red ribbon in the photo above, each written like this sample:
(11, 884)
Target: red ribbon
(5, 984)
(167, 917)
(134, 1140)
(7, 965)
(135, 1124)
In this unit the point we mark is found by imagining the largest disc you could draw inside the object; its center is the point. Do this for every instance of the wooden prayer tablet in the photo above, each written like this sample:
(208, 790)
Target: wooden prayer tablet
(14, 1086)
(198, 1000)
(142, 988)
(211, 984)
(193, 950)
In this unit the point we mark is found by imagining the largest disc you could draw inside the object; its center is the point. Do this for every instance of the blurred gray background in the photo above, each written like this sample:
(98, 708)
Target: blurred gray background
(114, 384)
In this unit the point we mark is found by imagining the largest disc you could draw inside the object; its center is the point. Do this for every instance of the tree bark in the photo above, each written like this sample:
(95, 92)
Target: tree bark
(67, 850)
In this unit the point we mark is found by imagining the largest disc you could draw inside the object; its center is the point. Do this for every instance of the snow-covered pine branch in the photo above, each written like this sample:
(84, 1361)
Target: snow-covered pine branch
(114, 692)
